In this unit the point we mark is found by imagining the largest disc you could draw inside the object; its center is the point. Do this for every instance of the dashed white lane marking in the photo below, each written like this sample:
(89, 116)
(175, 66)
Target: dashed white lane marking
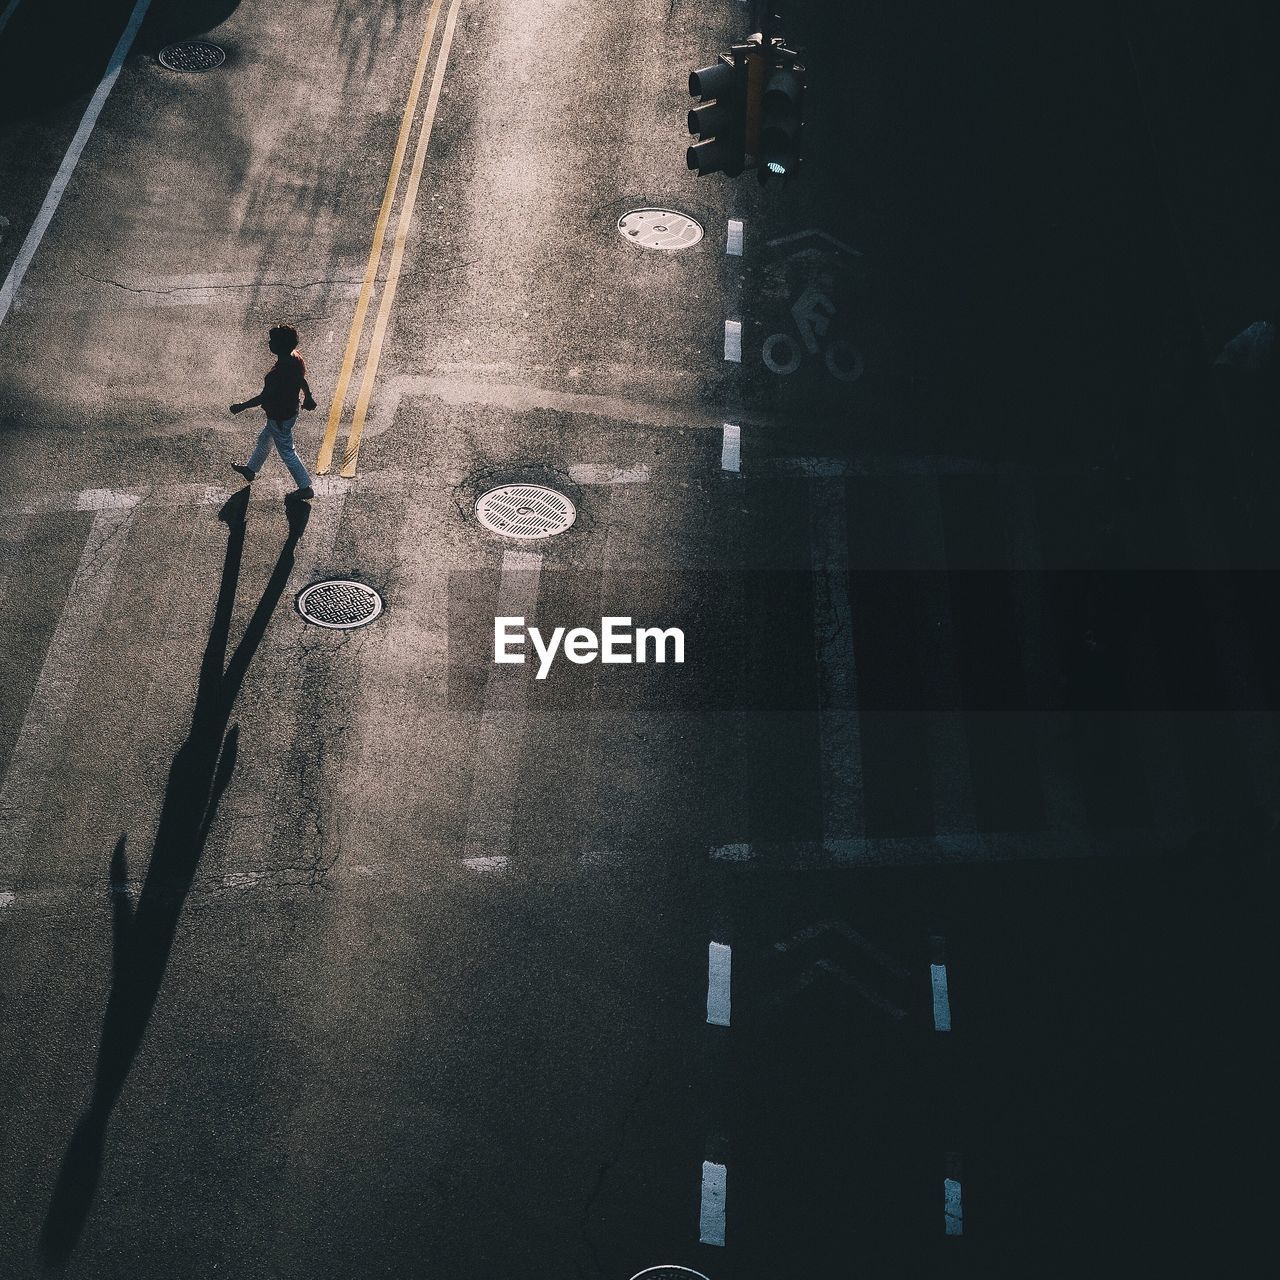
(486, 866)
(733, 341)
(733, 238)
(941, 999)
(61, 180)
(603, 473)
(952, 1207)
(719, 983)
(503, 722)
(731, 448)
(35, 752)
(7, 897)
(7, 14)
(840, 727)
(715, 1178)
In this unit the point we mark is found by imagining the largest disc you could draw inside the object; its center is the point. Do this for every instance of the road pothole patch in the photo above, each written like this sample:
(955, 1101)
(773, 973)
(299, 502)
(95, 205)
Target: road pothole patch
(192, 55)
(661, 229)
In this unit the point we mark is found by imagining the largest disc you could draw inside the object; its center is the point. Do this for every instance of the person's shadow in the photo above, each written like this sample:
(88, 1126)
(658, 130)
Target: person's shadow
(142, 935)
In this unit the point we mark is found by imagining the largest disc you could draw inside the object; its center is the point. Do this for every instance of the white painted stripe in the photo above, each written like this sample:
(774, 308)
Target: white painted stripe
(733, 340)
(719, 981)
(602, 473)
(503, 723)
(37, 751)
(733, 240)
(715, 1178)
(61, 180)
(731, 448)
(8, 13)
(733, 853)
(840, 728)
(941, 1000)
(953, 1210)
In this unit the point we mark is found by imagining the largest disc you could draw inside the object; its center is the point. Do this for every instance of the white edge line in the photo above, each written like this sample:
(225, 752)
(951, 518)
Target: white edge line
(62, 179)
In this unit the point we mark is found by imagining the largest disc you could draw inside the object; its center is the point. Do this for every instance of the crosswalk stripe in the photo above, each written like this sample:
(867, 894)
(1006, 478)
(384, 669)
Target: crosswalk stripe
(503, 724)
(32, 761)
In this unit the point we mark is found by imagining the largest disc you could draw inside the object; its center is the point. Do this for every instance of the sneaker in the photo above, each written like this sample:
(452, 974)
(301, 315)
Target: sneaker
(248, 472)
(300, 495)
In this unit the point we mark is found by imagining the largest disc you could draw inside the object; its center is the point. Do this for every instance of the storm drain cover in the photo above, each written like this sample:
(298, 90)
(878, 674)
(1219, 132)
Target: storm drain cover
(339, 603)
(669, 1273)
(525, 511)
(659, 229)
(192, 55)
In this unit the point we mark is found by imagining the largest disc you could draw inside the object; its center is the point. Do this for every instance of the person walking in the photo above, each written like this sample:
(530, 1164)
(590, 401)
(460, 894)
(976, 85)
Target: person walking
(279, 401)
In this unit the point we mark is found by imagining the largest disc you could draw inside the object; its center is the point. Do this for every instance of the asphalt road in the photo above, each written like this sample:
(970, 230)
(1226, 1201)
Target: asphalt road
(916, 925)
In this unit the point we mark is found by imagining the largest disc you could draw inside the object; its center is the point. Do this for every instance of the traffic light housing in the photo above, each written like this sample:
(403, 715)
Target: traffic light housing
(719, 120)
(781, 115)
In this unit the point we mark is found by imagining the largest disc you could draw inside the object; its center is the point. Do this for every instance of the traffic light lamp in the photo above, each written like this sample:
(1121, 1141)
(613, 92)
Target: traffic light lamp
(719, 120)
(781, 117)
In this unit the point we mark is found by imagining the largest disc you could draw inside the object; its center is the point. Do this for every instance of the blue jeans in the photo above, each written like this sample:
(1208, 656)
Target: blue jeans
(281, 435)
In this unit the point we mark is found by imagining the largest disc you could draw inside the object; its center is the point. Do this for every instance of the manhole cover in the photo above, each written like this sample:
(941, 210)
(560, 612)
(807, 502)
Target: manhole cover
(192, 55)
(525, 511)
(339, 603)
(659, 229)
(669, 1273)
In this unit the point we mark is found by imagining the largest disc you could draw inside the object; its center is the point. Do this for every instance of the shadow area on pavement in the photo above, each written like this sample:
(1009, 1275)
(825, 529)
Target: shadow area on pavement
(143, 934)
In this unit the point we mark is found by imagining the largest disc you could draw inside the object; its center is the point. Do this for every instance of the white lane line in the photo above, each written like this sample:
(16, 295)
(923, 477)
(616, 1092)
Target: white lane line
(7, 14)
(733, 239)
(731, 448)
(733, 341)
(715, 1178)
(35, 754)
(603, 473)
(503, 723)
(840, 729)
(719, 982)
(941, 1000)
(61, 180)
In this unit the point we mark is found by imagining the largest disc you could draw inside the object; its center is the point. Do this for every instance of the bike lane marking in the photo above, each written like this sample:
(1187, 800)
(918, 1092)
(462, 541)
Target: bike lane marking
(352, 449)
(62, 179)
(324, 459)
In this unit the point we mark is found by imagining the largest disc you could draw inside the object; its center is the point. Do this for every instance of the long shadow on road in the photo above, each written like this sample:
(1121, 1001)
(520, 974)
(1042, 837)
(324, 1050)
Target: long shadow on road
(142, 936)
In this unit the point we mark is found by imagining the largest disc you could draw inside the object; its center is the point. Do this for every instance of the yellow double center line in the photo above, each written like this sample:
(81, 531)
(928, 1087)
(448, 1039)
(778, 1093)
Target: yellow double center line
(351, 449)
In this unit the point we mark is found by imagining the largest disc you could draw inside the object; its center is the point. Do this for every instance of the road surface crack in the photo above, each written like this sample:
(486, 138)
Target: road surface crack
(606, 1168)
(209, 288)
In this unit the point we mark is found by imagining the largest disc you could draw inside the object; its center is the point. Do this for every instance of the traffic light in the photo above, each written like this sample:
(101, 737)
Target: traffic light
(781, 116)
(719, 120)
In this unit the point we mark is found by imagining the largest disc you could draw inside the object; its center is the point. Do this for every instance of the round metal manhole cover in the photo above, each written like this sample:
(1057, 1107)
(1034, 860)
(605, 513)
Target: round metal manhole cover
(339, 603)
(525, 511)
(659, 229)
(192, 55)
(669, 1273)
